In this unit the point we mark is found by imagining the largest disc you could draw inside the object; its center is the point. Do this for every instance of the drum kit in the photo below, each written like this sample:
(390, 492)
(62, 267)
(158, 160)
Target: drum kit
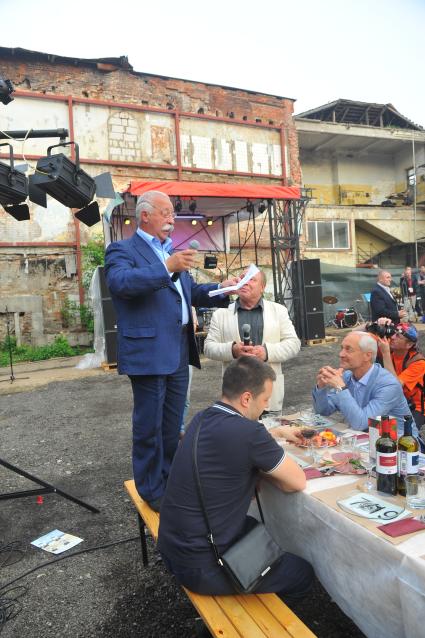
(344, 317)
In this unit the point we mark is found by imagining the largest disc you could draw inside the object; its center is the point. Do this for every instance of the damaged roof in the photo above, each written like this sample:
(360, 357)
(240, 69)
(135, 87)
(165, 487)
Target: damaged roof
(112, 64)
(365, 113)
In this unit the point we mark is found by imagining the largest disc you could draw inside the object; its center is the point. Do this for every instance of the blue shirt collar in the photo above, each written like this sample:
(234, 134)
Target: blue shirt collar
(365, 378)
(150, 239)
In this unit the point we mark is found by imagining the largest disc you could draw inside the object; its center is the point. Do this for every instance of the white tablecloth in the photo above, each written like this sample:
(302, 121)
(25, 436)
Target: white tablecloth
(379, 585)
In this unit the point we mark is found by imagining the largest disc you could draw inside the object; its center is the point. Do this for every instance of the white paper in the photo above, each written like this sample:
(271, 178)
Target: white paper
(251, 272)
(56, 541)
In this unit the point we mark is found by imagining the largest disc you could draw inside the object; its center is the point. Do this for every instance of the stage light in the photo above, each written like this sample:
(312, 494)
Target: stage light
(6, 90)
(194, 222)
(192, 206)
(249, 206)
(178, 205)
(13, 189)
(261, 207)
(209, 222)
(210, 262)
(59, 177)
(127, 221)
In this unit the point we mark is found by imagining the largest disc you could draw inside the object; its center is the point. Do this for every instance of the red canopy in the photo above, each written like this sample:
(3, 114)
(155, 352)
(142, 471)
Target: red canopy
(208, 189)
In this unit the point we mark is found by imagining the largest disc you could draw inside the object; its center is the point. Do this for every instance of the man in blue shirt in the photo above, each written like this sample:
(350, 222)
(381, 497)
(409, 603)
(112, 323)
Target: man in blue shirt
(152, 293)
(234, 451)
(360, 388)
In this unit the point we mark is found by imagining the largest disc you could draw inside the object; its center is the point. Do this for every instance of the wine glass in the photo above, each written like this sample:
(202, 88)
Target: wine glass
(368, 464)
(309, 434)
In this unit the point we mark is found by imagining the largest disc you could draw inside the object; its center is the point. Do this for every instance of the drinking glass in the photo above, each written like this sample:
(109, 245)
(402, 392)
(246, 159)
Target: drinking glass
(368, 465)
(348, 443)
(415, 491)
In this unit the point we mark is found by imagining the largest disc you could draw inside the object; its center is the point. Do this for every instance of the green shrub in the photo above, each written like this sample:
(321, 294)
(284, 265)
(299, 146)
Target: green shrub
(59, 348)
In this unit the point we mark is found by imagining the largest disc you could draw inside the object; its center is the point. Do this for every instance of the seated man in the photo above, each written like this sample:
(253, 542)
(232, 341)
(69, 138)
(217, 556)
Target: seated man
(234, 452)
(382, 302)
(401, 357)
(272, 336)
(360, 388)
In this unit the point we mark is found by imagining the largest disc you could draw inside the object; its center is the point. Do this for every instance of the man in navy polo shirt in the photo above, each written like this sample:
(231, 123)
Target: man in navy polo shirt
(234, 452)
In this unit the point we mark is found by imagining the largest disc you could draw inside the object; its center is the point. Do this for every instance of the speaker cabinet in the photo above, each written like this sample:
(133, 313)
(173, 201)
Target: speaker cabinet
(109, 319)
(311, 280)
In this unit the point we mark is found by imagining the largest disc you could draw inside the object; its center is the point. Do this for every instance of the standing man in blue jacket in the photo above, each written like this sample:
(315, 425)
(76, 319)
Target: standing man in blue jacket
(360, 388)
(152, 294)
(382, 302)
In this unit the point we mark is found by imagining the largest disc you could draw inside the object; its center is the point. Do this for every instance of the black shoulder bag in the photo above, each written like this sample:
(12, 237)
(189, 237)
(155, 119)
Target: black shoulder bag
(251, 557)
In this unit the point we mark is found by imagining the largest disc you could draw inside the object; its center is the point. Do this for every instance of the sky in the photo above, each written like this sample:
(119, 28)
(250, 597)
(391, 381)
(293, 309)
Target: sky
(312, 51)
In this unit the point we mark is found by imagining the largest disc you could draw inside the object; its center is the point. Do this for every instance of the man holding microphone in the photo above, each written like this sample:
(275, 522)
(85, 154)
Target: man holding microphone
(152, 293)
(255, 327)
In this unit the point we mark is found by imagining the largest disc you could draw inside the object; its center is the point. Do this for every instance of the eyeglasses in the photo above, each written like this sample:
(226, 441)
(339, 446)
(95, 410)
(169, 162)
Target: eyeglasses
(165, 213)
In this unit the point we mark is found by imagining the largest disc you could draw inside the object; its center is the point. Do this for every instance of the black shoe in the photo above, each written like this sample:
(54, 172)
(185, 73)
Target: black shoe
(155, 504)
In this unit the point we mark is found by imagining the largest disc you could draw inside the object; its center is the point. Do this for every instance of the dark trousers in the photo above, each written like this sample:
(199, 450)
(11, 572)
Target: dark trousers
(157, 416)
(290, 579)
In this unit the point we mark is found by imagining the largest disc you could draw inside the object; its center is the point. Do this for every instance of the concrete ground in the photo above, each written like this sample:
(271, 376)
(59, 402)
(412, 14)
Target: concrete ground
(73, 429)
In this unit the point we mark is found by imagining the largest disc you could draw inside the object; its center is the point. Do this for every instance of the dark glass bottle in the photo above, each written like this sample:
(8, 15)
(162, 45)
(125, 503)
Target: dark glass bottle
(386, 460)
(407, 455)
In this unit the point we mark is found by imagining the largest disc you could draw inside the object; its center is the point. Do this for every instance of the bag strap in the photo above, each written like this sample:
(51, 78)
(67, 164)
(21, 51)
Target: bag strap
(210, 535)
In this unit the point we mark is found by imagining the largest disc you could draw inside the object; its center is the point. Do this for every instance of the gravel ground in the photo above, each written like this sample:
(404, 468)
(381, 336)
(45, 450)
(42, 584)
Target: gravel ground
(76, 434)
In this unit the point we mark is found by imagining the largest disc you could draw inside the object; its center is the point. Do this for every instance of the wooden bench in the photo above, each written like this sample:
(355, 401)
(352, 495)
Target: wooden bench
(238, 616)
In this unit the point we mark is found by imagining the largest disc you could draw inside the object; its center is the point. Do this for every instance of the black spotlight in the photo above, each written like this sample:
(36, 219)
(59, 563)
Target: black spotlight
(210, 262)
(249, 206)
(261, 207)
(178, 205)
(13, 189)
(59, 177)
(6, 90)
(192, 206)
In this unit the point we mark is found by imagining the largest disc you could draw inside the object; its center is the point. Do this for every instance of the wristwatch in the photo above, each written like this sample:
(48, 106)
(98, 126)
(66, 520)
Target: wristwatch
(340, 388)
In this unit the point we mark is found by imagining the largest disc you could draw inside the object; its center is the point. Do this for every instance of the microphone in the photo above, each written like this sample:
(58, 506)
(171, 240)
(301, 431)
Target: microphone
(192, 244)
(246, 331)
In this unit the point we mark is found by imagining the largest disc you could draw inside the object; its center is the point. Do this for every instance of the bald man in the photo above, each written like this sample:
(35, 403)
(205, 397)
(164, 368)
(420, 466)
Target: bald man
(359, 388)
(382, 302)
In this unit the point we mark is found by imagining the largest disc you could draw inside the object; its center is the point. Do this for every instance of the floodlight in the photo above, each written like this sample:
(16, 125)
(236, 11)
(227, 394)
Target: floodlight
(13, 189)
(249, 206)
(64, 180)
(210, 222)
(6, 90)
(192, 206)
(261, 207)
(210, 262)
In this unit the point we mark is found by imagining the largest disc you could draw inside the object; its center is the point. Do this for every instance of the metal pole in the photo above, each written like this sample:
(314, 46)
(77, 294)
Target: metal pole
(414, 201)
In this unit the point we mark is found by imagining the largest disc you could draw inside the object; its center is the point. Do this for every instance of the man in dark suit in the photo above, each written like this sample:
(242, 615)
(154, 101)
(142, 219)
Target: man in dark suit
(382, 302)
(152, 294)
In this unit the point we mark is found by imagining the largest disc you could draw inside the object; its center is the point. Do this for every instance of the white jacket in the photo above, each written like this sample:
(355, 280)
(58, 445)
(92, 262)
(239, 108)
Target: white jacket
(279, 337)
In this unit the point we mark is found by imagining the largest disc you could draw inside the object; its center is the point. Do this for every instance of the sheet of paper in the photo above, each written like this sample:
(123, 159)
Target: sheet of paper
(56, 541)
(252, 270)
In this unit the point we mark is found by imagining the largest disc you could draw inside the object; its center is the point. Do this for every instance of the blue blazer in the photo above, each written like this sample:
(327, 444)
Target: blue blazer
(382, 305)
(148, 307)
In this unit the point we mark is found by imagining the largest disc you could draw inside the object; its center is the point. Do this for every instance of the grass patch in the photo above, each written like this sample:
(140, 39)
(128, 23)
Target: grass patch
(59, 348)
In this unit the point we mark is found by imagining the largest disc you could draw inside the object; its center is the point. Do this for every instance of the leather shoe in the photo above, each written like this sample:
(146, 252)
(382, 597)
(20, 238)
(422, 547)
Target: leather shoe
(155, 504)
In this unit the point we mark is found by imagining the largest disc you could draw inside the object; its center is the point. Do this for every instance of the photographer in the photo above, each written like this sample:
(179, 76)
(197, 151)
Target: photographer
(401, 357)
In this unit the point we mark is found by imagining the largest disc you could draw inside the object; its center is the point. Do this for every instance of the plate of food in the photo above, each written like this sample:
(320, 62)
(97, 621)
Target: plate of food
(344, 462)
(318, 437)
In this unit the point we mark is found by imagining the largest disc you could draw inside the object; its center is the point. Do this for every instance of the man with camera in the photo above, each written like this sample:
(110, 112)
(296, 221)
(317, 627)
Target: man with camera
(401, 357)
(233, 453)
(382, 302)
(360, 388)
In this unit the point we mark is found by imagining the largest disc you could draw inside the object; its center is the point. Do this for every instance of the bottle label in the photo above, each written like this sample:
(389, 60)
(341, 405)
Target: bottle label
(408, 462)
(386, 463)
(373, 437)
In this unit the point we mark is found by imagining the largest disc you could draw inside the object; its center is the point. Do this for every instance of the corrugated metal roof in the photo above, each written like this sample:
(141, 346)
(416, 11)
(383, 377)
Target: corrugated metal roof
(364, 113)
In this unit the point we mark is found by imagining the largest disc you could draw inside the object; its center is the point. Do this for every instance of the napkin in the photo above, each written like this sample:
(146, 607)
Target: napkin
(399, 528)
(311, 473)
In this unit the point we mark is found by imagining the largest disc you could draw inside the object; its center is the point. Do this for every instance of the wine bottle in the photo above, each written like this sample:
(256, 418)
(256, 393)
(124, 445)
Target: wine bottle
(386, 460)
(407, 455)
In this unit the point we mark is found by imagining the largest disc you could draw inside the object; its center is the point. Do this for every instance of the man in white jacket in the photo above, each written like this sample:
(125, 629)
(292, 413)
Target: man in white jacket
(272, 334)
